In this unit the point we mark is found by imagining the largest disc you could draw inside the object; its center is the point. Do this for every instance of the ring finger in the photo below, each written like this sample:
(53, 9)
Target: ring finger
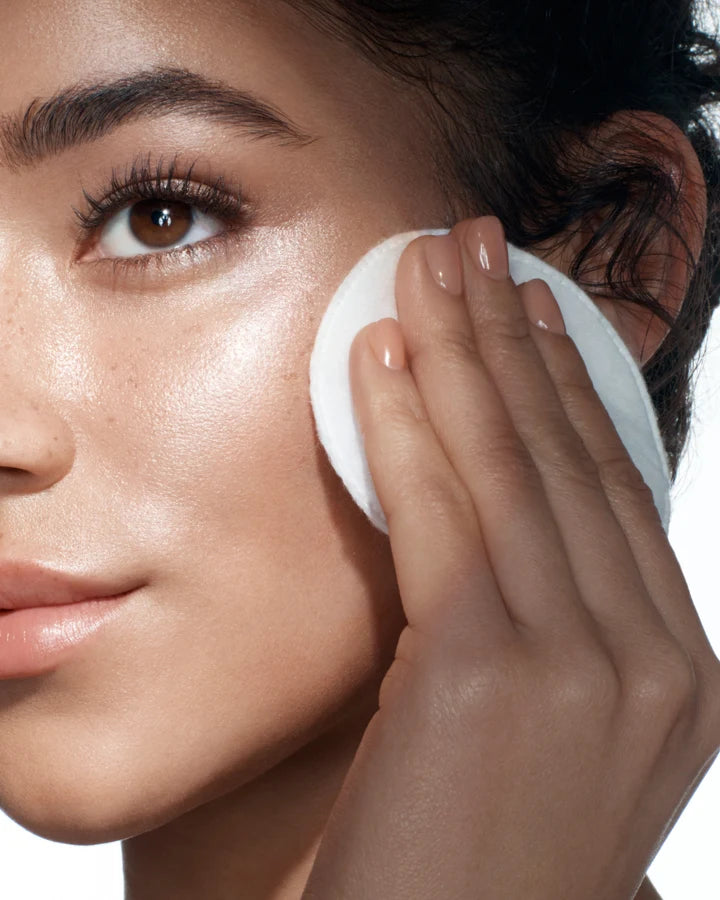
(527, 468)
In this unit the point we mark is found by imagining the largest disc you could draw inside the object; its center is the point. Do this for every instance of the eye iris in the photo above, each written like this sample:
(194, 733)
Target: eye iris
(160, 223)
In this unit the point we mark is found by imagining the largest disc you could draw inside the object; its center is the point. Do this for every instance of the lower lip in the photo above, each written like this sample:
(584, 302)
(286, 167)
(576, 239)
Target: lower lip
(36, 640)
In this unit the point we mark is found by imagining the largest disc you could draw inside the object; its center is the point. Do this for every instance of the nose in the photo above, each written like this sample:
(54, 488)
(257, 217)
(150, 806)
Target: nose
(36, 446)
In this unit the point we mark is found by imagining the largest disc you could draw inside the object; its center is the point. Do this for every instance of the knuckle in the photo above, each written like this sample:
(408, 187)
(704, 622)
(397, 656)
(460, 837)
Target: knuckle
(592, 683)
(514, 680)
(440, 497)
(504, 455)
(510, 329)
(620, 473)
(470, 689)
(667, 681)
(398, 410)
(577, 390)
(571, 465)
(457, 346)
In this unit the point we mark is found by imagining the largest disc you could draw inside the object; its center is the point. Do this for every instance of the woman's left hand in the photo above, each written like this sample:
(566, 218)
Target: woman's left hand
(554, 700)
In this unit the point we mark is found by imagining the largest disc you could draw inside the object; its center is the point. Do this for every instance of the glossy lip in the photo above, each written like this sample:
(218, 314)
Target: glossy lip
(37, 639)
(27, 584)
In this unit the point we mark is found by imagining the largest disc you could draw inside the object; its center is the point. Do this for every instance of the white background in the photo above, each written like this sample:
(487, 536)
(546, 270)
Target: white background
(687, 866)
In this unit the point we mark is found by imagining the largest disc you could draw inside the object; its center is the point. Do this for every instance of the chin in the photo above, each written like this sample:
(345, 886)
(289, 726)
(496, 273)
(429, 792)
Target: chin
(94, 794)
(80, 806)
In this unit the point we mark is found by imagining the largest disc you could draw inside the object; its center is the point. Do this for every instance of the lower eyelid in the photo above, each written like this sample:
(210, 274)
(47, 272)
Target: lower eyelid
(166, 269)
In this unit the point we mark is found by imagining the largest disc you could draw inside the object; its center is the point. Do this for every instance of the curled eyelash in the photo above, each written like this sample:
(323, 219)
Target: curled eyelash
(144, 182)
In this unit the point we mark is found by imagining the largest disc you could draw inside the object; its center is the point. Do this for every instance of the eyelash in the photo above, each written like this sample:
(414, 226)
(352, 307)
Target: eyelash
(144, 182)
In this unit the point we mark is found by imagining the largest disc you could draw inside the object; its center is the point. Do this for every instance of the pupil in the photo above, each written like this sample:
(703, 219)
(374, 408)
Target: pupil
(162, 217)
(158, 223)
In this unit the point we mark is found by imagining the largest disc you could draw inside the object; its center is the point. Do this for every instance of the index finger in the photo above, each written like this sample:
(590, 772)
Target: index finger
(438, 551)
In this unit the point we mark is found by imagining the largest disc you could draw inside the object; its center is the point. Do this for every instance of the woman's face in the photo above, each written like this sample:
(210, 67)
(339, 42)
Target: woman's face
(156, 420)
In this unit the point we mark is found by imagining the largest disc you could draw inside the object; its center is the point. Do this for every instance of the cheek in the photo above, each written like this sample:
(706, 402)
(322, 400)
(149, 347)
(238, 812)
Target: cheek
(270, 608)
(225, 430)
(277, 597)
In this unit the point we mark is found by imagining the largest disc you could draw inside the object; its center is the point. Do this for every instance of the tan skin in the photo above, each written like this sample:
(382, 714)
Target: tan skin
(162, 430)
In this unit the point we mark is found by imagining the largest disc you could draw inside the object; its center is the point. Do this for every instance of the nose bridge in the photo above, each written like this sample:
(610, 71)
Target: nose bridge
(36, 442)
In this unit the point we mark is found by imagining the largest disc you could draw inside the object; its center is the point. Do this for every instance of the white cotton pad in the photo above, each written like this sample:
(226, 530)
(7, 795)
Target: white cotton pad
(368, 294)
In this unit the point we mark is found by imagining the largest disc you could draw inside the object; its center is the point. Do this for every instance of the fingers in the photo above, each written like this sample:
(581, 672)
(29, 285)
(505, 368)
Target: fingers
(603, 563)
(476, 436)
(592, 484)
(628, 495)
(501, 423)
(437, 548)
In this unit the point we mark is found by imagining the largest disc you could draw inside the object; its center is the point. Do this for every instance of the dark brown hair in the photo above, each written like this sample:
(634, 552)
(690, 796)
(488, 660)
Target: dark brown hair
(512, 91)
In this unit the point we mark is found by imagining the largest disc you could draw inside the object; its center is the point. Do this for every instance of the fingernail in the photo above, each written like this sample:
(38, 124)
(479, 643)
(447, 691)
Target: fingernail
(485, 239)
(386, 341)
(445, 263)
(541, 306)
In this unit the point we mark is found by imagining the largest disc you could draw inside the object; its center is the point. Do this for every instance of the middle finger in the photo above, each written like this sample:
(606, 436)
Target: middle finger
(508, 436)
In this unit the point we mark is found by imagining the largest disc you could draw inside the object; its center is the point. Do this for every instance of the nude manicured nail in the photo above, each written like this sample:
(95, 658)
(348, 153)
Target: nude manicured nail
(541, 306)
(386, 341)
(485, 239)
(445, 263)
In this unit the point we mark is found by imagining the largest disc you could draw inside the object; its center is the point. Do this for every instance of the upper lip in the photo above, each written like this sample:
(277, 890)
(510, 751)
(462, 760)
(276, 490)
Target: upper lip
(26, 584)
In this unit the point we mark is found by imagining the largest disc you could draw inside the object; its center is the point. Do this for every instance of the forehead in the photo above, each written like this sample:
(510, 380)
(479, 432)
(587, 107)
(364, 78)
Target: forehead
(267, 47)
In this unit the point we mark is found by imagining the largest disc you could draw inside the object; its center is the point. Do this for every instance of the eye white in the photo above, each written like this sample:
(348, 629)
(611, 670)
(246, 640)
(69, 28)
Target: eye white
(118, 240)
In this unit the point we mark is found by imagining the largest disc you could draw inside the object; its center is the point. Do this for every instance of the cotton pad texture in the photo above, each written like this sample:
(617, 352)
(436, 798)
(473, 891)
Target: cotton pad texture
(368, 293)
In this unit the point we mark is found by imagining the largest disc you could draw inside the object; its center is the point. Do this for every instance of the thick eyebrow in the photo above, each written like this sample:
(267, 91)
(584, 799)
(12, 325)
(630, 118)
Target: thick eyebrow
(85, 112)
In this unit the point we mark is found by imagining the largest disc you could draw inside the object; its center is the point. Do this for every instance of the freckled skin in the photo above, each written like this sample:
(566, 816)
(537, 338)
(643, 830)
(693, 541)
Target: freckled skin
(164, 433)
(160, 429)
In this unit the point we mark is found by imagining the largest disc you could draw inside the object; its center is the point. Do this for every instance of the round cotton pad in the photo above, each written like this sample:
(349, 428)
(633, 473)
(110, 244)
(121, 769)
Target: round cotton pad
(368, 294)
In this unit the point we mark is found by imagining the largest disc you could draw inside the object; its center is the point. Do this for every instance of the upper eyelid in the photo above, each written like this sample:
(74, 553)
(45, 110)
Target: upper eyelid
(144, 181)
(237, 210)
(109, 206)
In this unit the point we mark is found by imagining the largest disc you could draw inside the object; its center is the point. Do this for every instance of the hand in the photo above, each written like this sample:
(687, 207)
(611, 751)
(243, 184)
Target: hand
(554, 700)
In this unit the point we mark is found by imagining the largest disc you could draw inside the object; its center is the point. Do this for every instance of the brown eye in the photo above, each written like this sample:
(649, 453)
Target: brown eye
(153, 224)
(160, 223)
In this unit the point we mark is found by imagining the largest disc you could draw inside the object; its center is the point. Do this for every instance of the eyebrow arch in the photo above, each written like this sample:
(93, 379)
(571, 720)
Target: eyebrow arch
(85, 112)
